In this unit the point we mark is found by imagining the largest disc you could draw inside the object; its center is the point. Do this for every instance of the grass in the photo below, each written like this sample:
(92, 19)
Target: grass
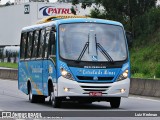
(9, 65)
(145, 56)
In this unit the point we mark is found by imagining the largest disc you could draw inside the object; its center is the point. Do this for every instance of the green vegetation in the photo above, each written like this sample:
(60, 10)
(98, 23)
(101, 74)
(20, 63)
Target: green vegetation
(9, 65)
(145, 51)
(145, 56)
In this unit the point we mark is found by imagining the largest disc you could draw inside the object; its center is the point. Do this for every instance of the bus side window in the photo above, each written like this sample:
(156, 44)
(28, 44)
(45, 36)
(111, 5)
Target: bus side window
(35, 44)
(29, 46)
(46, 45)
(52, 47)
(41, 43)
(23, 45)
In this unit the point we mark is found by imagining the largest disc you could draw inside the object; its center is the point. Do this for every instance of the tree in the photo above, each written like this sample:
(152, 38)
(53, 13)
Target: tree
(124, 11)
(1, 53)
(85, 3)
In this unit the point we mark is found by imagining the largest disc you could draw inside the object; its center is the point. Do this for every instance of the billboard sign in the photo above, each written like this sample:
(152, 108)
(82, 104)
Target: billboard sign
(45, 10)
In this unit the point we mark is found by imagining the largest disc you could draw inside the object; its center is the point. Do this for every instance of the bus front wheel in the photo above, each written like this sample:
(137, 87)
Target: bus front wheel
(56, 103)
(115, 102)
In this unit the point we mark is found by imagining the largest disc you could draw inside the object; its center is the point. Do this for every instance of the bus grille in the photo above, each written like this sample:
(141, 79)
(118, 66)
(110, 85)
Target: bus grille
(91, 78)
(95, 88)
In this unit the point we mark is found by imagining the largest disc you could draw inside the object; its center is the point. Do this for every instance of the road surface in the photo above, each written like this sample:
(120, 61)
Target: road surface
(11, 99)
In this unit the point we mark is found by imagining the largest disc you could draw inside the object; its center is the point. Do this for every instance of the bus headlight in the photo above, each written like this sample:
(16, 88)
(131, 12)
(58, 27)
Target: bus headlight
(123, 76)
(66, 74)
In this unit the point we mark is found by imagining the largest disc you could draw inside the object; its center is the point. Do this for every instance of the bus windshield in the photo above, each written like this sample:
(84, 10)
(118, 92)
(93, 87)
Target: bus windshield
(92, 42)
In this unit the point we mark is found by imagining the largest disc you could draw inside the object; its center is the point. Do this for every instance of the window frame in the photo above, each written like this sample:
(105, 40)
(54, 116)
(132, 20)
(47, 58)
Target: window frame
(27, 54)
(24, 45)
(37, 44)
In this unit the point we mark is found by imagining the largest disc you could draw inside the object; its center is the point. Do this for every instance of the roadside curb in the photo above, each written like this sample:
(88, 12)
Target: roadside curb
(145, 87)
(9, 74)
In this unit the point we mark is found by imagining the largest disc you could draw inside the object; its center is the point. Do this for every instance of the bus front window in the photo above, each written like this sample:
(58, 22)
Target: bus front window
(92, 42)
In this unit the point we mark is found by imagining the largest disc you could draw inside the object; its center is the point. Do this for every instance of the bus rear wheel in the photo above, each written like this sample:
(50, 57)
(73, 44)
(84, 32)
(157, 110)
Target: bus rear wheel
(56, 103)
(115, 102)
(35, 98)
(32, 98)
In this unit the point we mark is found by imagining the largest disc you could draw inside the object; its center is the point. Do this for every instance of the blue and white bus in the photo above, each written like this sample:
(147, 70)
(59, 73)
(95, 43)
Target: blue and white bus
(79, 59)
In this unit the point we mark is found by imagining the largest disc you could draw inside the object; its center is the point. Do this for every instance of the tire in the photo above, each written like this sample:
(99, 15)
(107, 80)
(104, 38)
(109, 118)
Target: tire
(115, 102)
(32, 98)
(56, 103)
(41, 98)
(35, 98)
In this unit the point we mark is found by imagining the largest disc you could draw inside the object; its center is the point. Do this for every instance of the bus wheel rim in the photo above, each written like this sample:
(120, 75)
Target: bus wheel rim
(30, 95)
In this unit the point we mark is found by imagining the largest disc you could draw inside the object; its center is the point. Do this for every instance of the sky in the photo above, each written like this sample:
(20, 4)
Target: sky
(4, 1)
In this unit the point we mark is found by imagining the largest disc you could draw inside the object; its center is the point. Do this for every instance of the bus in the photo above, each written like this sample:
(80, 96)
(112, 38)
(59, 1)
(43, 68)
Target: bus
(82, 60)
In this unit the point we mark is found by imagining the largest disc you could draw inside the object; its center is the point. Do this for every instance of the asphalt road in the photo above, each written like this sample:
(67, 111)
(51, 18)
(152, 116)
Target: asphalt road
(11, 99)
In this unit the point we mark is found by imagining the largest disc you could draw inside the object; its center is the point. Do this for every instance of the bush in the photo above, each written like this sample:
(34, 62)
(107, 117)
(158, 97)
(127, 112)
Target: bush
(138, 75)
(134, 69)
(147, 23)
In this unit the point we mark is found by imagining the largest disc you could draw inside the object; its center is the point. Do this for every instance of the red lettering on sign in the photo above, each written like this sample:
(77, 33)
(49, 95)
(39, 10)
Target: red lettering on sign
(55, 11)
(59, 11)
(50, 10)
(64, 11)
(69, 11)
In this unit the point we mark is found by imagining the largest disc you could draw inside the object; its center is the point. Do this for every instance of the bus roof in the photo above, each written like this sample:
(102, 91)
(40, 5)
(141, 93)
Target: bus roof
(53, 18)
(71, 20)
(85, 20)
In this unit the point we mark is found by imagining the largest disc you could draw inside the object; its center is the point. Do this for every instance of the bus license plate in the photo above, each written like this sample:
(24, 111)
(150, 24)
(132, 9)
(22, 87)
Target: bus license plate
(95, 94)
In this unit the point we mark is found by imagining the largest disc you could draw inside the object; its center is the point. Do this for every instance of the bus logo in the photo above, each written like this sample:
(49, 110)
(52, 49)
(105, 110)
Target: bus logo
(95, 78)
(94, 58)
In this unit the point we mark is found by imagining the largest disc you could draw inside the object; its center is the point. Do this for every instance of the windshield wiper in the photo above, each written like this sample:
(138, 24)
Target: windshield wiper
(84, 50)
(103, 51)
(98, 46)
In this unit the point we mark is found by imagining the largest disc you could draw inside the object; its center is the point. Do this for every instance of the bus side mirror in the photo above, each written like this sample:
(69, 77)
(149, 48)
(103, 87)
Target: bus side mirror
(129, 37)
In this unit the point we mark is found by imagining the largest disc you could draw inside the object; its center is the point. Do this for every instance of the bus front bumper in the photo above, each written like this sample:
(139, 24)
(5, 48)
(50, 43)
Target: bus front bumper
(70, 88)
